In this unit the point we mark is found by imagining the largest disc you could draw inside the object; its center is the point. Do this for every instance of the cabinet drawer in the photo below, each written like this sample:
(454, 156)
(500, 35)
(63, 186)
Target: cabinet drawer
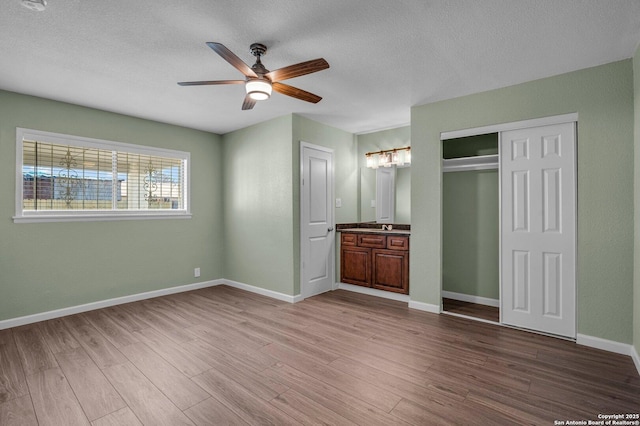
(349, 240)
(372, 240)
(397, 242)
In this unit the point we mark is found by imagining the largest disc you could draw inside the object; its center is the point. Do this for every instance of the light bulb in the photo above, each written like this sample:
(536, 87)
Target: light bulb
(370, 160)
(258, 89)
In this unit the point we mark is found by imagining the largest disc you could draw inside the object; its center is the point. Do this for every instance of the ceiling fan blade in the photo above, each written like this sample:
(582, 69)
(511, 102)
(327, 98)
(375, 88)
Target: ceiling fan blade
(294, 92)
(231, 57)
(297, 70)
(208, 83)
(248, 103)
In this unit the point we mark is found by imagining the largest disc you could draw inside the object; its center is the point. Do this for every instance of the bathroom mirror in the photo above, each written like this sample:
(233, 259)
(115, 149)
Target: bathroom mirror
(402, 195)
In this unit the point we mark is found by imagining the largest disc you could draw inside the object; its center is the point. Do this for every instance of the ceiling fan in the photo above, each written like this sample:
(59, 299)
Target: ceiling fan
(260, 81)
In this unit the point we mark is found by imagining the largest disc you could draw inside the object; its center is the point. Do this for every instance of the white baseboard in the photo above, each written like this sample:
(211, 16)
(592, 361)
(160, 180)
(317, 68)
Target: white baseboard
(610, 346)
(71, 310)
(373, 292)
(263, 291)
(604, 344)
(635, 358)
(453, 314)
(427, 307)
(57, 313)
(471, 299)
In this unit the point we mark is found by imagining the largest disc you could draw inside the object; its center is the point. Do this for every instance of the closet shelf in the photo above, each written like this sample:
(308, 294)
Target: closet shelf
(463, 164)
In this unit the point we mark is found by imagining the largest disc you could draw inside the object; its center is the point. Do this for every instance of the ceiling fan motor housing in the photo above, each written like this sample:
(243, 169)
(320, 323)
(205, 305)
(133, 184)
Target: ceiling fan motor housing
(258, 49)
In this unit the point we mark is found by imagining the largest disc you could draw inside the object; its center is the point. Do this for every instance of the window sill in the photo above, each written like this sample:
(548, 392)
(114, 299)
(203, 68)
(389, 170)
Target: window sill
(93, 217)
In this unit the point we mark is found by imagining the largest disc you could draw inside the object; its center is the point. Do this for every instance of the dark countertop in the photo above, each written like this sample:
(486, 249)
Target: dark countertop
(373, 228)
(375, 231)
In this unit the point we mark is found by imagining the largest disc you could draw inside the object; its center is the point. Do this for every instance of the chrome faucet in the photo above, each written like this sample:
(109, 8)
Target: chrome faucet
(387, 227)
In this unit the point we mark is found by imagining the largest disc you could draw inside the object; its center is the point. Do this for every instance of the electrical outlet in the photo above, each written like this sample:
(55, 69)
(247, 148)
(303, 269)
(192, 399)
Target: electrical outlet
(196, 272)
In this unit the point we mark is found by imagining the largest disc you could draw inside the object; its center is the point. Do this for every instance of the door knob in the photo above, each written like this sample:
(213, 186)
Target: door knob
(330, 229)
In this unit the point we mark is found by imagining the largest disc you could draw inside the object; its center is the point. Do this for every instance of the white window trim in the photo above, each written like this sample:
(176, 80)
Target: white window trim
(90, 216)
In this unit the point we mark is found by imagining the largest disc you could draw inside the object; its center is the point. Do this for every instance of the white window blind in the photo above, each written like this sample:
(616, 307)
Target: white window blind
(63, 177)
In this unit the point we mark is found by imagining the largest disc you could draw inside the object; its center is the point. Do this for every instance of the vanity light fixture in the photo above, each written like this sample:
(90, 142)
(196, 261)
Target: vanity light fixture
(389, 157)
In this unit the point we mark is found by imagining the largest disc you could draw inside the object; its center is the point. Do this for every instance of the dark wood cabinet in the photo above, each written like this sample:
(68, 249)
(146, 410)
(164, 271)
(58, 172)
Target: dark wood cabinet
(375, 260)
(355, 265)
(390, 270)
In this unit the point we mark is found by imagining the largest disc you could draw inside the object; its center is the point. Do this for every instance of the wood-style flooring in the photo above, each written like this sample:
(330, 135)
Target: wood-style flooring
(476, 310)
(221, 356)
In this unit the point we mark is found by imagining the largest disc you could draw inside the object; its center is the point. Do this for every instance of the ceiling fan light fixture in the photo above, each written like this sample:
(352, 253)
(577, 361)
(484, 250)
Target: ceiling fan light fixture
(258, 89)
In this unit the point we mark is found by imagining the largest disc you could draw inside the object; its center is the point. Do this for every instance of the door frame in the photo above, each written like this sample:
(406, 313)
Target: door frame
(517, 125)
(332, 252)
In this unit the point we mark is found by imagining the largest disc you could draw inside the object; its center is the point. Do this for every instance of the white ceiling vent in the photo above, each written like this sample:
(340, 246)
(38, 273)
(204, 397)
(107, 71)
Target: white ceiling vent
(37, 5)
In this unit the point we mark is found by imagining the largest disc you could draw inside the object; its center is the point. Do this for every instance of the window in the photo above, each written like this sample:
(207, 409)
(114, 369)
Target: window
(69, 178)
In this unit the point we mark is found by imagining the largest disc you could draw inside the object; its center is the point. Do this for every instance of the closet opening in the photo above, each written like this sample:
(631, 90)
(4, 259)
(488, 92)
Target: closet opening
(509, 223)
(471, 227)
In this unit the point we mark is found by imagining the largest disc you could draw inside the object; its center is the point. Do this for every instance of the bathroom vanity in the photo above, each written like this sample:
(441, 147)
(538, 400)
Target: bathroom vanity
(375, 258)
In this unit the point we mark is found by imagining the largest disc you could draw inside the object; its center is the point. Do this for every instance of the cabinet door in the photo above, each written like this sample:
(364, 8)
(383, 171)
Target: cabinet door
(355, 266)
(390, 270)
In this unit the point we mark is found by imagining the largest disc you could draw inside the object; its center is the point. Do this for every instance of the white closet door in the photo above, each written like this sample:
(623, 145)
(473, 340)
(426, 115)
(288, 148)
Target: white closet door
(538, 230)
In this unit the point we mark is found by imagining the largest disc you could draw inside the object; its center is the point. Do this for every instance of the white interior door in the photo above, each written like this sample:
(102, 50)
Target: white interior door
(385, 194)
(317, 223)
(538, 230)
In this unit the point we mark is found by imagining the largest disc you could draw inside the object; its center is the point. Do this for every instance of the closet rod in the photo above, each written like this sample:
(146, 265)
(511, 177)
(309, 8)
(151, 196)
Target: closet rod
(463, 164)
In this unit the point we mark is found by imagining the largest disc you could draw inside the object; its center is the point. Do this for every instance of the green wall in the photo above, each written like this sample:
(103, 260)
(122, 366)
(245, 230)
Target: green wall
(47, 266)
(367, 194)
(258, 205)
(470, 233)
(636, 281)
(603, 98)
(262, 197)
(245, 206)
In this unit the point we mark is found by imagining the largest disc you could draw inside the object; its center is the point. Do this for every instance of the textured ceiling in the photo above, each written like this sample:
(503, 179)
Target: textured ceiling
(386, 56)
